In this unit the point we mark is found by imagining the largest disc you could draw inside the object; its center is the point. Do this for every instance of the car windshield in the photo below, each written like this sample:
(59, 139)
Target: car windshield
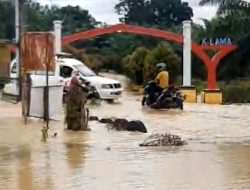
(85, 71)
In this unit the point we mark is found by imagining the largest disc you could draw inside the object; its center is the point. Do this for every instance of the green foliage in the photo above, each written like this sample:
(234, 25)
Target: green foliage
(236, 92)
(74, 19)
(199, 70)
(91, 61)
(140, 65)
(113, 48)
(134, 65)
(165, 55)
(40, 18)
(199, 85)
(233, 23)
(113, 62)
(227, 7)
(157, 13)
(7, 17)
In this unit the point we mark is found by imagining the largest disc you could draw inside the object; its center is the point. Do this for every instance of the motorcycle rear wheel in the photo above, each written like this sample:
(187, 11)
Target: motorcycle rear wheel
(180, 104)
(143, 101)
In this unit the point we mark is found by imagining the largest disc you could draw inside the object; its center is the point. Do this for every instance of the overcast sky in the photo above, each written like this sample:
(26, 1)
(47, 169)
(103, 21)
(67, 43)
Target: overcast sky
(103, 10)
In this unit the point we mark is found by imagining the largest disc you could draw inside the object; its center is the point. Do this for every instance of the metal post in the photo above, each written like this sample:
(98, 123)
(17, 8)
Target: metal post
(187, 53)
(47, 96)
(20, 21)
(17, 26)
(46, 89)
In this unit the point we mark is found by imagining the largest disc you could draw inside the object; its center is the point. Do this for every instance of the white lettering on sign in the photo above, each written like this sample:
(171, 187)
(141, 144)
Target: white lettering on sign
(216, 41)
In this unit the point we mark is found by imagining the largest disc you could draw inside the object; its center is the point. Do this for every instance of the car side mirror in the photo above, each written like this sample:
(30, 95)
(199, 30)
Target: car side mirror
(87, 83)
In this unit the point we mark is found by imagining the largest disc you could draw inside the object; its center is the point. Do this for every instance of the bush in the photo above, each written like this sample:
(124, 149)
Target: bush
(199, 84)
(113, 62)
(236, 92)
(92, 61)
(134, 64)
(140, 66)
(165, 55)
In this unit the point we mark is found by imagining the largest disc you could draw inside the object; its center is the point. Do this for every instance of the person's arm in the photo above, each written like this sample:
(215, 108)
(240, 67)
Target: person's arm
(157, 78)
(167, 77)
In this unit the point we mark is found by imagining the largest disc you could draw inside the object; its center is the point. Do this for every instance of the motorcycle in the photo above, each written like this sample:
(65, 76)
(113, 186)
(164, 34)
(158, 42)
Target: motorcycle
(92, 92)
(166, 99)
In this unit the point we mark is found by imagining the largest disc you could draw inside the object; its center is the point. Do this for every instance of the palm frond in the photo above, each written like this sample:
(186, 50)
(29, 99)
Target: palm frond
(237, 7)
(211, 2)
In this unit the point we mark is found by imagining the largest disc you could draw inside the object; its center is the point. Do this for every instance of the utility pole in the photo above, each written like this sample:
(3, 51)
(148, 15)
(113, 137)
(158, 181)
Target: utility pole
(17, 41)
(20, 25)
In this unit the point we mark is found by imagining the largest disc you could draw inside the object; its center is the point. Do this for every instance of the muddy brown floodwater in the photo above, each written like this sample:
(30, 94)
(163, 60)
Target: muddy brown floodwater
(217, 156)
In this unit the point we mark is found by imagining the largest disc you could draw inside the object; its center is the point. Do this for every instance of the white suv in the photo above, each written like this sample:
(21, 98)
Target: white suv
(108, 89)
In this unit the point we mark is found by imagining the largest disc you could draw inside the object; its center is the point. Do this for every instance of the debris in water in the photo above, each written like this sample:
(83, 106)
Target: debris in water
(166, 139)
(44, 133)
(93, 118)
(108, 148)
(106, 120)
(121, 124)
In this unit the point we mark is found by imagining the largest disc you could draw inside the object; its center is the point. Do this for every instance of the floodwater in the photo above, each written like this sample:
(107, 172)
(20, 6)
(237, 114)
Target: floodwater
(217, 156)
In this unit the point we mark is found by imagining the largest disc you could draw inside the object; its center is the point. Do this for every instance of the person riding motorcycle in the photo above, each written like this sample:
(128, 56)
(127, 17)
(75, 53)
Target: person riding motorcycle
(162, 78)
(160, 94)
(162, 83)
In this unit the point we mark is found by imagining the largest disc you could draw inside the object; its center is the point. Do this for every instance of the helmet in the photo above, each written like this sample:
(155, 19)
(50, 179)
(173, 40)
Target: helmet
(161, 66)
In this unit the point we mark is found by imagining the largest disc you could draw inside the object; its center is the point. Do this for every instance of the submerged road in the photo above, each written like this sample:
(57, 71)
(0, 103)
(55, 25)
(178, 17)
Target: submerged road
(217, 155)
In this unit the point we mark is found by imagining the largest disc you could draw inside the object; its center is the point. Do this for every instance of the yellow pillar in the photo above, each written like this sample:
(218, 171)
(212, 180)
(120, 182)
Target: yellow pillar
(190, 93)
(211, 96)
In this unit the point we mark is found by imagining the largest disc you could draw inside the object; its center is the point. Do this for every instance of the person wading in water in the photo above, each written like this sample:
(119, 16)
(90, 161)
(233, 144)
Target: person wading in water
(76, 112)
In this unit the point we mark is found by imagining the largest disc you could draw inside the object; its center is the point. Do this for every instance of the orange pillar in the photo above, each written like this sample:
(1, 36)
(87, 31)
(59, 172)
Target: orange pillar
(211, 77)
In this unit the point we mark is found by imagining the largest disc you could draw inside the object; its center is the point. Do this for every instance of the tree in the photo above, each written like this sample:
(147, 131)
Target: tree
(74, 19)
(165, 55)
(170, 13)
(232, 22)
(92, 61)
(134, 11)
(7, 26)
(140, 65)
(40, 18)
(158, 13)
(134, 65)
(227, 7)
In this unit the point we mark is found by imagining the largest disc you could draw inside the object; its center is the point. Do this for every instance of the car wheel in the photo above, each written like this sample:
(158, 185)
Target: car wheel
(1, 86)
(110, 101)
(143, 101)
(180, 104)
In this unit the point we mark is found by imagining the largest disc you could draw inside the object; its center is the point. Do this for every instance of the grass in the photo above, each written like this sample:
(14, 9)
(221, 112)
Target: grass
(236, 91)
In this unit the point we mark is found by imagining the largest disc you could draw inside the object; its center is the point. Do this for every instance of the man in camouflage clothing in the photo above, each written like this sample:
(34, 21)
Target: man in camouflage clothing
(76, 113)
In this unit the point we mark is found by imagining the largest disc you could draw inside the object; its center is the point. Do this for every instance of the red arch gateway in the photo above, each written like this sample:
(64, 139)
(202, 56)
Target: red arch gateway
(210, 63)
(199, 50)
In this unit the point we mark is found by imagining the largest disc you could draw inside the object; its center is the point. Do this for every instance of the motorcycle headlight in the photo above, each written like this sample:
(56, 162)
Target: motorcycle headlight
(107, 86)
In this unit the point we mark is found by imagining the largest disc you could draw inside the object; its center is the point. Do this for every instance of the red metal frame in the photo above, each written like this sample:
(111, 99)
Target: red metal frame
(210, 63)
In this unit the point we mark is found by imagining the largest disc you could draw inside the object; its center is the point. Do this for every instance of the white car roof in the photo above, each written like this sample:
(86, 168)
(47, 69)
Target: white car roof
(69, 61)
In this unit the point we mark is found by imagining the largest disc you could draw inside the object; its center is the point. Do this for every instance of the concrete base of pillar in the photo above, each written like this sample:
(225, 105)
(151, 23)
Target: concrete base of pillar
(190, 93)
(211, 96)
